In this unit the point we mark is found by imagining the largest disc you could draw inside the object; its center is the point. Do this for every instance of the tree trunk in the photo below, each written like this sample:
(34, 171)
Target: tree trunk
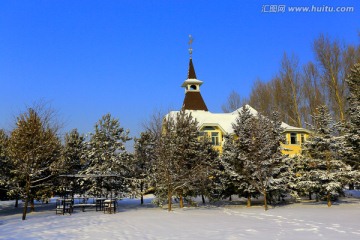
(26, 198)
(310, 195)
(328, 172)
(230, 199)
(169, 200)
(142, 196)
(203, 198)
(248, 202)
(351, 186)
(328, 199)
(181, 200)
(265, 201)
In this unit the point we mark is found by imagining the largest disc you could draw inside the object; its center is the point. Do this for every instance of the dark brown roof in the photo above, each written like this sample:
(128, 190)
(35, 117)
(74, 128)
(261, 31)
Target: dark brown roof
(194, 101)
(191, 73)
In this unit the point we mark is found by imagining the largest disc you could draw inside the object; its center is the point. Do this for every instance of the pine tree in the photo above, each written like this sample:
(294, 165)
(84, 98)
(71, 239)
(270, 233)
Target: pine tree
(142, 164)
(352, 130)
(164, 170)
(323, 172)
(237, 151)
(256, 159)
(34, 149)
(4, 164)
(106, 157)
(281, 165)
(207, 169)
(72, 161)
(72, 152)
(9, 183)
(178, 154)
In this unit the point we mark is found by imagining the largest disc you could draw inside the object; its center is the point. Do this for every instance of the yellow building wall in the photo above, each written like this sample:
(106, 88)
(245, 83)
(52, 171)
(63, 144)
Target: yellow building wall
(208, 134)
(294, 149)
(288, 148)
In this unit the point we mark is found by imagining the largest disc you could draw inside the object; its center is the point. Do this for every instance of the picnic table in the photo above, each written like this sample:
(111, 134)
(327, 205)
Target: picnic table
(67, 205)
(82, 202)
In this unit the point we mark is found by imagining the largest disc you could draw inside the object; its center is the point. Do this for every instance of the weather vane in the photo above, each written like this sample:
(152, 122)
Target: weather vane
(190, 45)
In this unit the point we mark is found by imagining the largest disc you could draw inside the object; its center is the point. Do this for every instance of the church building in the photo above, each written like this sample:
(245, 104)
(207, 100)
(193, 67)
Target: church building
(217, 125)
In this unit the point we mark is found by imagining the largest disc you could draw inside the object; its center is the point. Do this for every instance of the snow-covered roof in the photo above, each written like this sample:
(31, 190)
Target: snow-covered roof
(192, 81)
(224, 120)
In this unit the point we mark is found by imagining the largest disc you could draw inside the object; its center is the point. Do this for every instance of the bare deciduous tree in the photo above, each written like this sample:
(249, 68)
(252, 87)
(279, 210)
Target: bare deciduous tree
(234, 102)
(313, 92)
(154, 124)
(290, 80)
(330, 59)
(261, 97)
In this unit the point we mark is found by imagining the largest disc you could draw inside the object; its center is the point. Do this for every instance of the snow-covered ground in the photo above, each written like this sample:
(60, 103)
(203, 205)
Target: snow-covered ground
(307, 220)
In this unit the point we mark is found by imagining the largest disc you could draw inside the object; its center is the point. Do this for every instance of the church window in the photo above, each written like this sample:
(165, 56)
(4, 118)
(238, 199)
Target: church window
(293, 138)
(302, 138)
(215, 138)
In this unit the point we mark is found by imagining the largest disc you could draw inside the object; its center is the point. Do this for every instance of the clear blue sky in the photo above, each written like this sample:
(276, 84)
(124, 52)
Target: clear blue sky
(128, 57)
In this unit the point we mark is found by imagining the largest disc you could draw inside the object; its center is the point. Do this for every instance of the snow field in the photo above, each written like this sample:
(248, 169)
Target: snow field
(132, 221)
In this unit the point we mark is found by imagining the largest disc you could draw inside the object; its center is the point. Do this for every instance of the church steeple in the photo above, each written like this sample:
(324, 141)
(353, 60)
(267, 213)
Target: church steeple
(193, 99)
(191, 72)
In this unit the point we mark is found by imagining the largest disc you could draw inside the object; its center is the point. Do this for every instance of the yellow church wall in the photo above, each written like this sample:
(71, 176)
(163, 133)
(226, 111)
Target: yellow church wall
(288, 148)
(214, 134)
(292, 147)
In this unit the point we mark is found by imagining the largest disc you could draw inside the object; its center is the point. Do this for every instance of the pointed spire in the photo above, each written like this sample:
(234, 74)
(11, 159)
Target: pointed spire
(193, 99)
(190, 45)
(191, 72)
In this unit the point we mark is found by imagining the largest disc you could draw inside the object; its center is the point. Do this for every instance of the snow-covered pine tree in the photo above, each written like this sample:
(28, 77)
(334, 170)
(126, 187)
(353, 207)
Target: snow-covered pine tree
(4, 164)
(281, 164)
(164, 167)
(106, 158)
(34, 150)
(237, 151)
(259, 158)
(352, 130)
(71, 161)
(324, 172)
(9, 183)
(268, 161)
(72, 151)
(296, 167)
(227, 180)
(142, 165)
(178, 154)
(206, 169)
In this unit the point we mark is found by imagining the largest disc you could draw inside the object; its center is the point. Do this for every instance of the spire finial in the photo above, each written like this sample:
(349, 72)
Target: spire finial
(190, 45)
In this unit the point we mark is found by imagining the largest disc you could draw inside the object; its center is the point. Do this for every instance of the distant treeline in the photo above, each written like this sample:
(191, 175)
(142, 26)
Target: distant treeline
(296, 91)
